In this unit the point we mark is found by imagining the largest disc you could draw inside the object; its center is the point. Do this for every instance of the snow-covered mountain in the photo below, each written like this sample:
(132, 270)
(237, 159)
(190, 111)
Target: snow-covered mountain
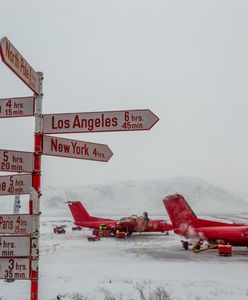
(134, 197)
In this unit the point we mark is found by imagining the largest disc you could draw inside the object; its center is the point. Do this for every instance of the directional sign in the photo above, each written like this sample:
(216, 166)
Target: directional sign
(15, 184)
(14, 268)
(16, 161)
(126, 120)
(19, 224)
(15, 61)
(15, 245)
(16, 107)
(75, 149)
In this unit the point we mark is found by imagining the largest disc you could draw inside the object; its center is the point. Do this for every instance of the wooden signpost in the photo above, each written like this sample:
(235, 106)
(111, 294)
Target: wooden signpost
(19, 234)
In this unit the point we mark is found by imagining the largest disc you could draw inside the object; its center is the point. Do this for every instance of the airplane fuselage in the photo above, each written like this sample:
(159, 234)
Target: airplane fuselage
(236, 235)
(151, 226)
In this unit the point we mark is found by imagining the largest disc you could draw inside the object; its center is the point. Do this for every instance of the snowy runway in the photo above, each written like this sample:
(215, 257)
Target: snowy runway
(121, 269)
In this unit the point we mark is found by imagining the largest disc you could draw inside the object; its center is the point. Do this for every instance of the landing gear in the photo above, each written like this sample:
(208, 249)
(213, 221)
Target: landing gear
(185, 245)
(129, 233)
(198, 245)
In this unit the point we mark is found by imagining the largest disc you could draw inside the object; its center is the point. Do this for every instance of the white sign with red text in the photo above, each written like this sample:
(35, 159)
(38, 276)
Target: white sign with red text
(14, 268)
(15, 184)
(11, 246)
(16, 161)
(16, 62)
(19, 224)
(16, 107)
(75, 149)
(126, 120)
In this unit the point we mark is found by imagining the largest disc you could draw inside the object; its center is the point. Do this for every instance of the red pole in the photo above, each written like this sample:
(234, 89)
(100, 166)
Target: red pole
(36, 184)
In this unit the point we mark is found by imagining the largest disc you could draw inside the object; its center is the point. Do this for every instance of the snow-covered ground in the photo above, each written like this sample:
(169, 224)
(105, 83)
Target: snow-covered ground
(124, 269)
(145, 265)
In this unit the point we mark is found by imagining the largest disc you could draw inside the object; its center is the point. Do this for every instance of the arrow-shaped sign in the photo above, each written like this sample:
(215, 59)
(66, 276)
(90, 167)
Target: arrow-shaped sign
(75, 149)
(15, 245)
(14, 268)
(15, 184)
(16, 107)
(17, 63)
(19, 224)
(16, 161)
(126, 120)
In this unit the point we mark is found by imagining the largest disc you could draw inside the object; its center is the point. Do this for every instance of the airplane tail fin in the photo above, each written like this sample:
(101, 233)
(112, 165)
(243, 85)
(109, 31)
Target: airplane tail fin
(180, 213)
(78, 211)
(183, 217)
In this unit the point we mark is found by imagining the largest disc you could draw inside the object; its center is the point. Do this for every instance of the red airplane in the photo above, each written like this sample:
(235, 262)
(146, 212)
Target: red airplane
(186, 223)
(129, 224)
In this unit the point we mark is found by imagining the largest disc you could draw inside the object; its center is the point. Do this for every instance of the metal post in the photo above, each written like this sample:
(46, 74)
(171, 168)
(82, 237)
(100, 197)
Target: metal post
(17, 204)
(38, 144)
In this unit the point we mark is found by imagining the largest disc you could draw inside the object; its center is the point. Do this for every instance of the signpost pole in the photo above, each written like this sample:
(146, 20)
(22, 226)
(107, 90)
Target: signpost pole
(36, 182)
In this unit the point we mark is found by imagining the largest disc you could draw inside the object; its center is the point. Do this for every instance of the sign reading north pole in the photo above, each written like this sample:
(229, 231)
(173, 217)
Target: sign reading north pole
(16, 161)
(75, 149)
(15, 184)
(17, 63)
(15, 245)
(14, 268)
(16, 107)
(19, 224)
(126, 120)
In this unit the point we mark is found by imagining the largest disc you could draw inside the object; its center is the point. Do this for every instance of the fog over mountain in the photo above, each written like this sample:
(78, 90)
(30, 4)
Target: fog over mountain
(134, 197)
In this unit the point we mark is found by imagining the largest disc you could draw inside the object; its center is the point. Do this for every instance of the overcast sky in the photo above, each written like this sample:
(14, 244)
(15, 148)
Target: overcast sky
(187, 61)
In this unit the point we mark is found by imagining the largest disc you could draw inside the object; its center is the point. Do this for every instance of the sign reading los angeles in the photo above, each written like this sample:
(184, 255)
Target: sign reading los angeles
(15, 184)
(75, 149)
(126, 120)
(17, 63)
(16, 107)
(14, 268)
(16, 161)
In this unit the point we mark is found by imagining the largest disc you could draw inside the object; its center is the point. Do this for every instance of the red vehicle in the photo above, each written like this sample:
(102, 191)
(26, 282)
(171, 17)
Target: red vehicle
(76, 228)
(105, 233)
(186, 223)
(225, 250)
(128, 224)
(93, 238)
(59, 229)
(120, 235)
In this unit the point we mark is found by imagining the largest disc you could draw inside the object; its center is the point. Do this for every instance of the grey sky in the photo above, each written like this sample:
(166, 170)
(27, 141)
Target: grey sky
(184, 60)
